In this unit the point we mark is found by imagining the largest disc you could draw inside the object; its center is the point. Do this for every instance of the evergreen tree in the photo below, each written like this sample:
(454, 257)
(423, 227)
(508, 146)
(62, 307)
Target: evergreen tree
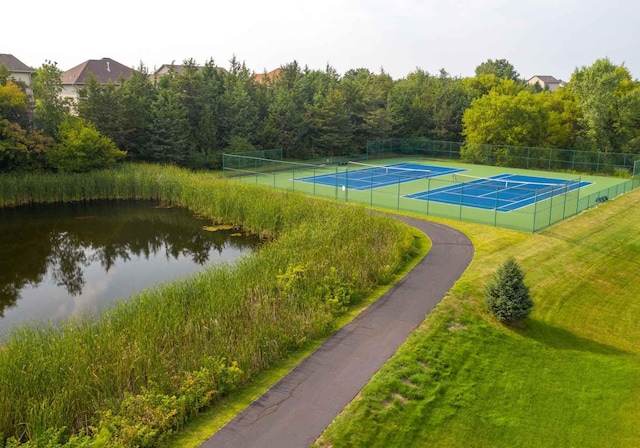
(332, 130)
(136, 96)
(100, 104)
(507, 297)
(171, 129)
(239, 109)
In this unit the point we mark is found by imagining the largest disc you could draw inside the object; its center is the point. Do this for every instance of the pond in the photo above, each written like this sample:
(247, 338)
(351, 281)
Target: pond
(63, 260)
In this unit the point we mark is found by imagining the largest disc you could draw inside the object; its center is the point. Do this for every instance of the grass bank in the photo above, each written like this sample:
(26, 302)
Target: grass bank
(141, 370)
(568, 376)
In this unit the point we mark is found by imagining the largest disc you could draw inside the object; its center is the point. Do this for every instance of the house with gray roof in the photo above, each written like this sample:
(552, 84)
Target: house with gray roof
(17, 69)
(165, 69)
(546, 82)
(105, 70)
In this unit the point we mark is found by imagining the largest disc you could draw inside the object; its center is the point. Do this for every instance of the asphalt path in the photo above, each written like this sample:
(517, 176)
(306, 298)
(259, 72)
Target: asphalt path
(297, 409)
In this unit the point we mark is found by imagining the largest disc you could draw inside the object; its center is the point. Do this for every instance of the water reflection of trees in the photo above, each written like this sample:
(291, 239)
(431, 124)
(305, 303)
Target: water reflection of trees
(65, 239)
(67, 260)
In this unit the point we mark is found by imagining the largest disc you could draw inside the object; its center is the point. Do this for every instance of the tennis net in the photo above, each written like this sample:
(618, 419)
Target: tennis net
(388, 170)
(514, 184)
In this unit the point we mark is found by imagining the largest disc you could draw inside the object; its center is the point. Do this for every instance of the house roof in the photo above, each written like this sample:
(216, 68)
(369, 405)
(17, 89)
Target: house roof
(546, 79)
(104, 70)
(262, 77)
(14, 65)
(178, 68)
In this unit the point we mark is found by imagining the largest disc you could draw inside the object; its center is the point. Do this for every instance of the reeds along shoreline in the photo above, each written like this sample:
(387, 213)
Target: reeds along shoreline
(201, 337)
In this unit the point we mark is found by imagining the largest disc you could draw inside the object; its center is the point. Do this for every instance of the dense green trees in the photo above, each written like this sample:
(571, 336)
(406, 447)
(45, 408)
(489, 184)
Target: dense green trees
(21, 147)
(199, 112)
(610, 102)
(49, 137)
(498, 119)
(195, 113)
(598, 111)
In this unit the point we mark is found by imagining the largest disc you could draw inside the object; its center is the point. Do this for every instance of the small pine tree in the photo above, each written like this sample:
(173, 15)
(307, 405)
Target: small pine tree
(507, 297)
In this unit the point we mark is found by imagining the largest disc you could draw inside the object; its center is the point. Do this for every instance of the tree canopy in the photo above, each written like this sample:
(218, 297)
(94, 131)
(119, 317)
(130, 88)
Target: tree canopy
(610, 103)
(500, 67)
(192, 115)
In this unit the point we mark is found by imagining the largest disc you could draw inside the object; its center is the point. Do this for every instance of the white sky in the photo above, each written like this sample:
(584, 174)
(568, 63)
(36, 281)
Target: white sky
(539, 37)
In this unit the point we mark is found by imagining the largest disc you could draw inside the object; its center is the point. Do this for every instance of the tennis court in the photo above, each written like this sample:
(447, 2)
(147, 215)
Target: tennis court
(445, 188)
(360, 176)
(503, 192)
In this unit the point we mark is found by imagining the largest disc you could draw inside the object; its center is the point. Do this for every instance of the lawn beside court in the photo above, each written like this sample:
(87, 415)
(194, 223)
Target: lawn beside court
(568, 376)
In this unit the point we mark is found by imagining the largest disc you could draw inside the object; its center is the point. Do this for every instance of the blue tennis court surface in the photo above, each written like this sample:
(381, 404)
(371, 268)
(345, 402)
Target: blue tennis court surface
(504, 192)
(365, 177)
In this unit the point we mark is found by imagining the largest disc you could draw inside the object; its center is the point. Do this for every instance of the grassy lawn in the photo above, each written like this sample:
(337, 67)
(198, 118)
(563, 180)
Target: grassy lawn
(568, 376)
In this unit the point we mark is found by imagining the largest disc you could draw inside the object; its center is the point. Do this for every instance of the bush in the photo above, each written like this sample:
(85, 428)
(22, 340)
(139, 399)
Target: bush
(507, 297)
(82, 148)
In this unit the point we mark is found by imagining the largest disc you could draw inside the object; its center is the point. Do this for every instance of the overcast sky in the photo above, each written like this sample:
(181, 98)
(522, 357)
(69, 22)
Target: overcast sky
(543, 37)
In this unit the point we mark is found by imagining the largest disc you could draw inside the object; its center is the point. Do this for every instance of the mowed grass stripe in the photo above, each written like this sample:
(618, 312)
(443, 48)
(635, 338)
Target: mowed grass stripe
(568, 376)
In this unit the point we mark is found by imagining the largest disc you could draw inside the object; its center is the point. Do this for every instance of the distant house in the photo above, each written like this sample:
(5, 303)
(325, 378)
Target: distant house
(105, 70)
(165, 69)
(18, 70)
(266, 77)
(546, 82)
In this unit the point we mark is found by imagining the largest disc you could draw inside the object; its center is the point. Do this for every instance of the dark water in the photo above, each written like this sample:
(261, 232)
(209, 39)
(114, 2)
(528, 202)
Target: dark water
(58, 261)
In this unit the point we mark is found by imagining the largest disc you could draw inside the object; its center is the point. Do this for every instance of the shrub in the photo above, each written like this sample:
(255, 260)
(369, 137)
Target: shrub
(507, 297)
(82, 148)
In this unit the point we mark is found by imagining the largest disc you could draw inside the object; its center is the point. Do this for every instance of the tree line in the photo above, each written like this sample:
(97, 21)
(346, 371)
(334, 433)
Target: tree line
(192, 116)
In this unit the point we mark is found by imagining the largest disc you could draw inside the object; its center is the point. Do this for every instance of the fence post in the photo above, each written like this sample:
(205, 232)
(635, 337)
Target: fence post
(564, 206)
(371, 189)
(461, 196)
(346, 186)
(428, 193)
(578, 198)
(495, 211)
(551, 206)
(535, 212)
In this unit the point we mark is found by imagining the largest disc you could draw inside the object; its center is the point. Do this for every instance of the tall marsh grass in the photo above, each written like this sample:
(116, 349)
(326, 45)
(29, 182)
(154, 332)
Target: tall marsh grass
(197, 338)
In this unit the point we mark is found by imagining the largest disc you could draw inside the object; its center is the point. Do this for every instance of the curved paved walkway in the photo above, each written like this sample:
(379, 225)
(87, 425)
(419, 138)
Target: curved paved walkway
(297, 409)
